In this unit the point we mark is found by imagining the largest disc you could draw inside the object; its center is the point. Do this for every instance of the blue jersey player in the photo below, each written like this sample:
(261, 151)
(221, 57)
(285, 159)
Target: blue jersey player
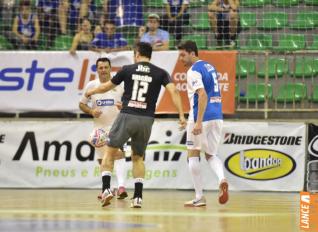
(205, 121)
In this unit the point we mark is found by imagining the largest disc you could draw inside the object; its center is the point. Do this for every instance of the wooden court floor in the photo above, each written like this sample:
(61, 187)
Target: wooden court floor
(78, 210)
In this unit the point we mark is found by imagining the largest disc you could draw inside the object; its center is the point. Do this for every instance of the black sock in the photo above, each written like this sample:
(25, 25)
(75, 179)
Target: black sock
(106, 182)
(138, 190)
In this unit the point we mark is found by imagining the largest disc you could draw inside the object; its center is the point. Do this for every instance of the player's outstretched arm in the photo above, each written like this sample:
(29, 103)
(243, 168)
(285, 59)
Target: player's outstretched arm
(178, 103)
(102, 88)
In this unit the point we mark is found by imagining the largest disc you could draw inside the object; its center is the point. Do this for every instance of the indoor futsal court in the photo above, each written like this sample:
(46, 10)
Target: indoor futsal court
(78, 210)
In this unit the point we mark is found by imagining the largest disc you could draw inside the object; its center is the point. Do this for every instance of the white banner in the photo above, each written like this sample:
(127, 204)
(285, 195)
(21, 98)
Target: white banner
(55, 154)
(53, 81)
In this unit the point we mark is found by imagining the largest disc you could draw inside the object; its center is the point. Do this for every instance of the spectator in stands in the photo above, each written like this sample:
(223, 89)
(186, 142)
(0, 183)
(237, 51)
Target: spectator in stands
(71, 11)
(176, 17)
(6, 13)
(83, 38)
(48, 18)
(158, 38)
(124, 12)
(224, 20)
(26, 28)
(109, 40)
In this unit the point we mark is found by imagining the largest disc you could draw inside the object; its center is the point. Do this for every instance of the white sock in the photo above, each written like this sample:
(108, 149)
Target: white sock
(120, 172)
(217, 166)
(195, 170)
(139, 180)
(106, 173)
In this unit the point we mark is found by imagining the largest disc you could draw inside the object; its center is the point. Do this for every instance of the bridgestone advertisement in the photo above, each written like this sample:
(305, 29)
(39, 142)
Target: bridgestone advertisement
(55, 154)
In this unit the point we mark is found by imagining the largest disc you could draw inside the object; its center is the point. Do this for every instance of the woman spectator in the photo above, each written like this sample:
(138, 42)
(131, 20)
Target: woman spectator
(83, 38)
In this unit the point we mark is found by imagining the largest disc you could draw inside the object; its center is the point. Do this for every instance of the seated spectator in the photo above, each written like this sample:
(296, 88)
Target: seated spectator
(224, 20)
(6, 13)
(83, 38)
(123, 12)
(71, 11)
(109, 40)
(176, 17)
(26, 28)
(158, 38)
(47, 13)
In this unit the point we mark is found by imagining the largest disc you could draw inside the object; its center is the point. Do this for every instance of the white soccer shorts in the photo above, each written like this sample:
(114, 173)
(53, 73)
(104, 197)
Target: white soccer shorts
(209, 140)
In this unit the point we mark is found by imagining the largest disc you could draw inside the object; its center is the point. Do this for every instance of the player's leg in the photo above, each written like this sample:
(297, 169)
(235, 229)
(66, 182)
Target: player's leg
(194, 146)
(118, 136)
(107, 167)
(99, 151)
(120, 173)
(212, 136)
(141, 127)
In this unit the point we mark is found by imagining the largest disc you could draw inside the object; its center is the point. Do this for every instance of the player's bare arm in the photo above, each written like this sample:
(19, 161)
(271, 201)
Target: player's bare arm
(88, 110)
(177, 102)
(102, 88)
(203, 100)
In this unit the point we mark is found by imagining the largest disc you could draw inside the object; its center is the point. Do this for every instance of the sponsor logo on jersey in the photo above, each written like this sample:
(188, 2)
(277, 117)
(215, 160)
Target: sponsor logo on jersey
(215, 100)
(105, 102)
(137, 104)
(260, 164)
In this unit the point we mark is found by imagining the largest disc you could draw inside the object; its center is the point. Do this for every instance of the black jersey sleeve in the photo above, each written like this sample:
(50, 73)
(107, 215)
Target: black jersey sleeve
(166, 78)
(119, 77)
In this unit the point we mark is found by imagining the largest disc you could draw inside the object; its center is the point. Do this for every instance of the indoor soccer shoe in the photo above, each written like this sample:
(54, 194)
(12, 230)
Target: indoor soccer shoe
(106, 197)
(121, 193)
(136, 202)
(196, 203)
(223, 192)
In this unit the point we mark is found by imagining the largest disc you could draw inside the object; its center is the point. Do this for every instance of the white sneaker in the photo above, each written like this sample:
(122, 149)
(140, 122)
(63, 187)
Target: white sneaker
(106, 197)
(196, 202)
(136, 202)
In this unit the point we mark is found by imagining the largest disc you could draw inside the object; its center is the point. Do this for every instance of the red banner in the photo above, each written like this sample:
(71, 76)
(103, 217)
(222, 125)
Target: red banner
(224, 62)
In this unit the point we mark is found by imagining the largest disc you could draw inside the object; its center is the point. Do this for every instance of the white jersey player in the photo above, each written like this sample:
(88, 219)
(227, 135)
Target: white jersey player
(104, 109)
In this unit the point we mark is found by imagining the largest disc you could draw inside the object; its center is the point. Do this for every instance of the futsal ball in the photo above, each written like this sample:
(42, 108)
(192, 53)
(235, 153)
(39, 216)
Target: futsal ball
(98, 137)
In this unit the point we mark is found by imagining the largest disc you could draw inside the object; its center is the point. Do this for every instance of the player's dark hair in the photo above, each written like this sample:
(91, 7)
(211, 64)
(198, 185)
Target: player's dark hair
(189, 46)
(144, 49)
(103, 59)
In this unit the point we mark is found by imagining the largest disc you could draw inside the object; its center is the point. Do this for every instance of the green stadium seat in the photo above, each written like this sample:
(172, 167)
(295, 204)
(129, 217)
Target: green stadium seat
(252, 3)
(5, 44)
(273, 21)
(315, 94)
(291, 42)
(199, 39)
(314, 45)
(62, 42)
(304, 67)
(201, 22)
(245, 67)
(292, 92)
(305, 20)
(258, 42)
(99, 3)
(257, 92)
(248, 20)
(285, 3)
(311, 2)
(198, 3)
(154, 3)
(315, 66)
(276, 67)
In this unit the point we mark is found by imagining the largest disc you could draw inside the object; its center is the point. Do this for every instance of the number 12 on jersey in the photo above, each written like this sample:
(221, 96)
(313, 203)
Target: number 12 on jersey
(140, 88)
